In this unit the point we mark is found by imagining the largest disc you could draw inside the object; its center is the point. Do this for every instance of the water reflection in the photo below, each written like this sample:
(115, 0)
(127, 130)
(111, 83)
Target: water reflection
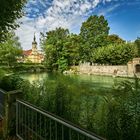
(34, 77)
(97, 82)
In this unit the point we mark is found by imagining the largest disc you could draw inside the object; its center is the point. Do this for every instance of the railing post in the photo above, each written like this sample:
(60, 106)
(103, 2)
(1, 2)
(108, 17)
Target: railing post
(17, 121)
(5, 118)
(9, 126)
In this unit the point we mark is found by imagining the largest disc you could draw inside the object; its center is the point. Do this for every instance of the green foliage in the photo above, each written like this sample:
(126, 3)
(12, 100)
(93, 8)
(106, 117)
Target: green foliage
(137, 42)
(53, 45)
(71, 49)
(123, 117)
(2, 73)
(10, 82)
(62, 64)
(10, 50)
(55, 37)
(51, 58)
(28, 67)
(10, 11)
(114, 115)
(93, 44)
(94, 30)
(115, 54)
(94, 33)
(114, 39)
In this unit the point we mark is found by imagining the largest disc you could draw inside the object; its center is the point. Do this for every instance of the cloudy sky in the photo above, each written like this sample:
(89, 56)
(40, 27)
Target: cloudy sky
(44, 15)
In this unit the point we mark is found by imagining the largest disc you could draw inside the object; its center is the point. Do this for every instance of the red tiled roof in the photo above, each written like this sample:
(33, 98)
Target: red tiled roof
(27, 52)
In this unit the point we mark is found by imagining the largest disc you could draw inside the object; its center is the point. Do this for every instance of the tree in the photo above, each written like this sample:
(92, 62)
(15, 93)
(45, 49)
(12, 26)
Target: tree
(10, 50)
(115, 54)
(137, 42)
(10, 11)
(93, 32)
(50, 57)
(115, 39)
(53, 43)
(72, 48)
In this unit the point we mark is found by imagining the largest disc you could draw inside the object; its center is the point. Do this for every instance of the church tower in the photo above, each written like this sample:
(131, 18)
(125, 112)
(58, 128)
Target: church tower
(33, 55)
(34, 45)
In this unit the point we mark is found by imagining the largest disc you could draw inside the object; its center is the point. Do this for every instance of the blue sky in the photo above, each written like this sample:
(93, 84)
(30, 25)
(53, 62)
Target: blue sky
(44, 15)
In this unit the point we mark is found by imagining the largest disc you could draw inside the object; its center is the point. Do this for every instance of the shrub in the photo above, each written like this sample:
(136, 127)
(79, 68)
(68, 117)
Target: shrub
(10, 82)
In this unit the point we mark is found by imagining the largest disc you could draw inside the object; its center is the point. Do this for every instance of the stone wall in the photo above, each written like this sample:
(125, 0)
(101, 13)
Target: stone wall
(86, 68)
(130, 70)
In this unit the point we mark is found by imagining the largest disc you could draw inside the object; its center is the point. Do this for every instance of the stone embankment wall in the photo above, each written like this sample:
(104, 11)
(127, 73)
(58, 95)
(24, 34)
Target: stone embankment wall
(86, 68)
(130, 70)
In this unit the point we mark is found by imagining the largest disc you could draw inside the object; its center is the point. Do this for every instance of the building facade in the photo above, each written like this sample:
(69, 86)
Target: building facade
(33, 55)
(134, 66)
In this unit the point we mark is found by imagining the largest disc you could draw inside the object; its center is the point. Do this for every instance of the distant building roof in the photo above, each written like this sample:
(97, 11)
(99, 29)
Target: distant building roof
(27, 52)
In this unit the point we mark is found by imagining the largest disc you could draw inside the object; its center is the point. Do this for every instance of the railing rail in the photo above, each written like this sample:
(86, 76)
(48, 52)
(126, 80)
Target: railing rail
(2, 100)
(33, 123)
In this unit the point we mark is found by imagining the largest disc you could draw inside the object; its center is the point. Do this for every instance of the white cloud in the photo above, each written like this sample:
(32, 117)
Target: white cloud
(60, 13)
(108, 10)
(64, 13)
(108, 0)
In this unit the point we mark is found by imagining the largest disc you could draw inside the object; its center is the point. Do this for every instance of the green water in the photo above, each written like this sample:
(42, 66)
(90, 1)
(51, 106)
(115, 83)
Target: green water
(98, 82)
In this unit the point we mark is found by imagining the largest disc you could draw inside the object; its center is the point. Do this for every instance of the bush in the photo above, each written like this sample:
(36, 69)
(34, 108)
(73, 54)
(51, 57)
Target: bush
(10, 82)
(115, 54)
(2, 73)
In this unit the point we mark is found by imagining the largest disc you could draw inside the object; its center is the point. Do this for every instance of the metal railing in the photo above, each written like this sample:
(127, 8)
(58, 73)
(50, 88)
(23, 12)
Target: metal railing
(33, 123)
(2, 102)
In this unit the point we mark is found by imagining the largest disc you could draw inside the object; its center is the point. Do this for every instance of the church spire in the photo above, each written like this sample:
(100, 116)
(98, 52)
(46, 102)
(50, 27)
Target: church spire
(34, 38)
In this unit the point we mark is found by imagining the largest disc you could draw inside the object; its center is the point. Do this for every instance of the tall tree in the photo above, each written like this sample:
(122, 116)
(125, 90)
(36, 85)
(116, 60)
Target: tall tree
(94, 32)
(72, 49)
(53, 43)
(10, 50)
(10, 11)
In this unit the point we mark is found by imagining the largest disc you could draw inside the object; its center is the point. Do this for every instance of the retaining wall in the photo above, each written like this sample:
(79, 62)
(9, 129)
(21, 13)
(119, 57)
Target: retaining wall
(121, 70)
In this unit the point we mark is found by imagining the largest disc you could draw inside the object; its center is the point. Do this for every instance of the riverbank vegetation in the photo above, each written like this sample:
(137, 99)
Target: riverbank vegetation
(113, 114)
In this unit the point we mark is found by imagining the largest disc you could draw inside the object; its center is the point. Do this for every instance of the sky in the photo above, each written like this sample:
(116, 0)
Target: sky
(123, 17)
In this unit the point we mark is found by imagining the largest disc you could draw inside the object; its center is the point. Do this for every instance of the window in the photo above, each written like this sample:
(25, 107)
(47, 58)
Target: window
(137, 68)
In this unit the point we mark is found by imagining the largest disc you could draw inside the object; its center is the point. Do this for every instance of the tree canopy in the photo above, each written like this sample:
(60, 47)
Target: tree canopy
(114, 39)
(10, 50)
(137, 42)
(93, 44)
(53, 44)
(114, 54)
(72, 49)
(93, 32)
(10, 11)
